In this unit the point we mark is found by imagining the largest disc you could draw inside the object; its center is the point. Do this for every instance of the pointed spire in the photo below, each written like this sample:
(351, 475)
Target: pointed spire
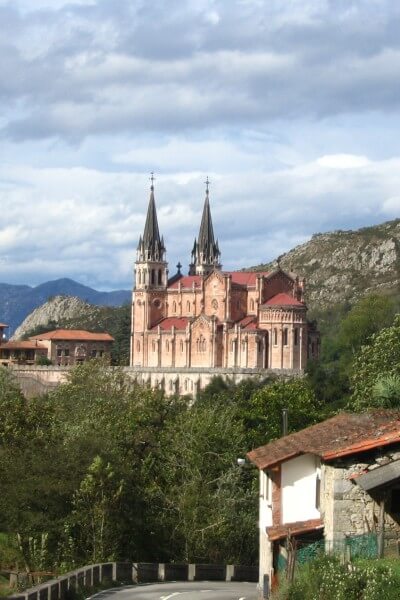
(151, 246)
(205, 253)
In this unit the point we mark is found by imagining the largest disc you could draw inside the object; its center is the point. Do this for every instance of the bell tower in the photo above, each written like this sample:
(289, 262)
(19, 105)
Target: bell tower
(205, 253)
(151, 280)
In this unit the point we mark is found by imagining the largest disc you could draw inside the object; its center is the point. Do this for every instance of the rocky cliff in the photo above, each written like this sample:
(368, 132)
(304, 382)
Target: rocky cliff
(54, 312)
(342, 266)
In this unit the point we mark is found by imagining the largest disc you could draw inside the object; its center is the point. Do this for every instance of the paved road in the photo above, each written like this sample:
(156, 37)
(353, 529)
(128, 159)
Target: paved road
(202, 590)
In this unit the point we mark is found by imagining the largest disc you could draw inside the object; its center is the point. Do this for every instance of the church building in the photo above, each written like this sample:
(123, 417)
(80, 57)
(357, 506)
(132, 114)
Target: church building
(213, 320)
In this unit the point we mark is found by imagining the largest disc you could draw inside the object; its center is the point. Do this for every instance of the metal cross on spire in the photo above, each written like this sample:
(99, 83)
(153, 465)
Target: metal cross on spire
(207, 182)
(152, 178)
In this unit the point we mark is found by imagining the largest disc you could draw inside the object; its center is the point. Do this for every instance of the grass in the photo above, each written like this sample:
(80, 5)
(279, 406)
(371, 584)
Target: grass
(5, 589)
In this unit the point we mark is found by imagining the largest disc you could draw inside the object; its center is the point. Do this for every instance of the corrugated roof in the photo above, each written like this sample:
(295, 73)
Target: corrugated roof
(169, 322)
(73, 334)
(283, 300)
(277, 532)
(341, 435)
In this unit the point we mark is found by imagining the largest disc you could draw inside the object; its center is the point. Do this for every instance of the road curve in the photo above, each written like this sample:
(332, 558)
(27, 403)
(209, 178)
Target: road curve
(199, 590)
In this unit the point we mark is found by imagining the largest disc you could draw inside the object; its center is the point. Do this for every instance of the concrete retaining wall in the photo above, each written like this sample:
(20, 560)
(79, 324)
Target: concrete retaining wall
(131, 573)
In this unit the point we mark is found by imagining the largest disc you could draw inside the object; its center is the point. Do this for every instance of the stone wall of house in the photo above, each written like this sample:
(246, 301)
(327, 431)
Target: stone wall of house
(347, 509)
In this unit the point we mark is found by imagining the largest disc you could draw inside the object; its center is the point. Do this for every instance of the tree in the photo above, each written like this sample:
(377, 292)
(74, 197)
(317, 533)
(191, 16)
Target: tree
(203, 505)
(263, 416)
(377, 366)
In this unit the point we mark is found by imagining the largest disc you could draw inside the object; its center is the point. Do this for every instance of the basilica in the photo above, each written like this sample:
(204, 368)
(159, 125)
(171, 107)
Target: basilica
(210, 319)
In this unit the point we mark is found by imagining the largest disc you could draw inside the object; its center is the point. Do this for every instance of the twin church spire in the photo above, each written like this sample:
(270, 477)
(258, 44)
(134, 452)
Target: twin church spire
(205, 253)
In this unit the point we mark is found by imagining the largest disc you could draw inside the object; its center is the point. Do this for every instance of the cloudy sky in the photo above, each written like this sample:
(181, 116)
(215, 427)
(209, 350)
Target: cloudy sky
(291, 108)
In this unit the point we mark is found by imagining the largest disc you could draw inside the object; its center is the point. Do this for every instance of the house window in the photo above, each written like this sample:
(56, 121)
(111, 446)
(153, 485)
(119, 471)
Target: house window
(318, 492)
(181, 346)
(275, 337)
(174, 307)
(394, 504)
(296, 336)
(167, 346)
(66, 352)
(159, 277)
(94, 353)
(59, 352)
(252, 304)
(285, 337)
(152, 277)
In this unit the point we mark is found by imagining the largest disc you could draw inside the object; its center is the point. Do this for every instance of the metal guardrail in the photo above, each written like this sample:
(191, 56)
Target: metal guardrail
(93, 576)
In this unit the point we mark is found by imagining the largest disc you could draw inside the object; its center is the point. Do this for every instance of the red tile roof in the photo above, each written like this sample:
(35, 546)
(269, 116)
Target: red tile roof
(283, 300)
(22, 345)
(246, 278)
(342, 435)
(73, 334)
(169, 322)
(277, 532)
(186, 282)
(248, 323)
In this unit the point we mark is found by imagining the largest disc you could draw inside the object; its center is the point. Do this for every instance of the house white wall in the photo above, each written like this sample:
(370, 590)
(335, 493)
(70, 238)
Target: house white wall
(298, 484)
(265, 520)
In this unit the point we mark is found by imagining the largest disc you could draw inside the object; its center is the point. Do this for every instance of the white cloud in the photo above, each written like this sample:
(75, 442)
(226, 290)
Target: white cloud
(343, 161)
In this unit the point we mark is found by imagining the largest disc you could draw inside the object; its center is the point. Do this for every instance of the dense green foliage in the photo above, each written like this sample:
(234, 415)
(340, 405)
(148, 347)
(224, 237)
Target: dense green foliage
(105, 469)
(326, 577)
(344, 332)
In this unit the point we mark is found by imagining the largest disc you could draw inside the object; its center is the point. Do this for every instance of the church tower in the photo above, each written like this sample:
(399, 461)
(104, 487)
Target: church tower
(151, 279)
(205, 253)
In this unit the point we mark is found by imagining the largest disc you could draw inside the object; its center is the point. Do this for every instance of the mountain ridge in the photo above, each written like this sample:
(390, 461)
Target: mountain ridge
(18, 301)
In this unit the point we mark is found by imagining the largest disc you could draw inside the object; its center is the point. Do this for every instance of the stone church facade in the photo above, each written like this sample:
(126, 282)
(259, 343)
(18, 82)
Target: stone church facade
(187, 328)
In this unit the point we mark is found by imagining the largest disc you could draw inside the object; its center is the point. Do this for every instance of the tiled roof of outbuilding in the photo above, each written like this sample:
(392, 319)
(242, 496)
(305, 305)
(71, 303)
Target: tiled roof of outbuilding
(277, 532)
(73, 334)
(341, 435)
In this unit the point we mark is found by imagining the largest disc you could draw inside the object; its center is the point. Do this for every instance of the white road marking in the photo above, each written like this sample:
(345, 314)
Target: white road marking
(170, 596)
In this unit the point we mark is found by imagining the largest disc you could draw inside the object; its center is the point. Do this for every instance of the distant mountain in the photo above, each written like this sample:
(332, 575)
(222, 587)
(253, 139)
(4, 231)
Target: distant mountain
(18, 301)
(342, 266)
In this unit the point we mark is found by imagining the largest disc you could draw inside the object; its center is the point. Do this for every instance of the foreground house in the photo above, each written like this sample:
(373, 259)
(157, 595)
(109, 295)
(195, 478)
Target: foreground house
(67, 347)
(212, 319)
(330, 482)
(63, 347)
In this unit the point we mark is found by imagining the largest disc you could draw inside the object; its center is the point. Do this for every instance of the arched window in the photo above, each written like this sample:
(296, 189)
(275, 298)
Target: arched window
(181, 346)
(232, 345)
(243, 346)
(285, 337)
(296, 336)
(174, 306)
(171, 386)
(153, 346)
(186, 385)
(140, 277)
(152, 277)
(167, 346)
(138, 345)
(188, 306)
(204, 345)
(159, 277)
(252, 304)
(275, 337)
